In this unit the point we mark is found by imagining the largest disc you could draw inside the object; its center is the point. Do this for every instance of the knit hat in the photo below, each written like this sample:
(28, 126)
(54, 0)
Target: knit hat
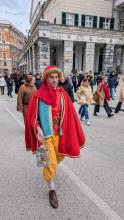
(51, 69)
(88, 74)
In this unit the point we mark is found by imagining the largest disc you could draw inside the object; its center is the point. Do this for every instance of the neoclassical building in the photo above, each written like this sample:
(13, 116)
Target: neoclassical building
(82, 34)
(11, 44)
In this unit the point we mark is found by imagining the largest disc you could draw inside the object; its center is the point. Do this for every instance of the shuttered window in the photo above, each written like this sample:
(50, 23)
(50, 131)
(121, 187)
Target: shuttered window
(70, 19)
(106, 23)
(89, 21)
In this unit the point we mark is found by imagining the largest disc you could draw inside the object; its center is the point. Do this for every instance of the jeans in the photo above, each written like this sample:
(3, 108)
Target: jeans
(84, 111)
(2, 89)
(112, 91)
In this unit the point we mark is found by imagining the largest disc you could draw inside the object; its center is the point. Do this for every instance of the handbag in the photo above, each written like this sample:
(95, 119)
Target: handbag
(96, 96)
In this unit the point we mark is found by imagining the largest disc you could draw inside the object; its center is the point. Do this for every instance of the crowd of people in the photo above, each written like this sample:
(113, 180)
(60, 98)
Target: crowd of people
(80, 87)
(97, 90)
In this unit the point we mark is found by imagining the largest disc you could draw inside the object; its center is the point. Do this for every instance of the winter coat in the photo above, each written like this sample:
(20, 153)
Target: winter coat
(9, 83)
(99, 95)
(121, 92)
(112, 81)
(68, 88)
(80, 78)
(24, 95)
(85, 95)
(38, 83)
(2, 81)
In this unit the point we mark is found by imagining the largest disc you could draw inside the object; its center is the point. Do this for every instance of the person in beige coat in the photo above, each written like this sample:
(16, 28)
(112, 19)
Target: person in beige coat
(85, 98)
(121, 96)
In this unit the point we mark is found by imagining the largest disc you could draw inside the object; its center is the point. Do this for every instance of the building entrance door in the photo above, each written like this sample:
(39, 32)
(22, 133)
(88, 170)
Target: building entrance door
(53, 56)
(101, 60)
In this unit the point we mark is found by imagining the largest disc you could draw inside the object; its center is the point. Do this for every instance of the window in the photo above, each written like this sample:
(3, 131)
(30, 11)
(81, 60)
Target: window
(70, 18)
(5, 63)
(4, 55)
(106, 23)
(3, 39)
(89, 21)
(122, 25)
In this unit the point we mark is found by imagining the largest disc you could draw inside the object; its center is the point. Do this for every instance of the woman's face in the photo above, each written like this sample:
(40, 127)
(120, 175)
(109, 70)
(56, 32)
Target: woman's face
(86, 83)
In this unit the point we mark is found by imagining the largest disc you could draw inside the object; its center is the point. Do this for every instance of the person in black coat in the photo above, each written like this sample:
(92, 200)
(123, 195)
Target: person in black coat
(38, 81)
(9, 83)
(80, 78)
(64, 82)
(74, 79)
(112, 82)
(15, 78)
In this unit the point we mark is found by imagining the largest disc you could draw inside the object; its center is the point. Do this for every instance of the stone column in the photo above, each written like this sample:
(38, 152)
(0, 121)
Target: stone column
(30, 69)
(117, 19)
(33, 58)
(43, 53)
(89, 57)
(108, 57)
(68, 57)
(25, 66)
(27, 61)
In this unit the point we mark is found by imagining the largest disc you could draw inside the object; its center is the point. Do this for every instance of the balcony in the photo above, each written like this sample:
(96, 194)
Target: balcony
(119, 3)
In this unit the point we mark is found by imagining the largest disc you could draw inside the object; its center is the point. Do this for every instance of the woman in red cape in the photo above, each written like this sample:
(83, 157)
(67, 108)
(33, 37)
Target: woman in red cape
(51, 114)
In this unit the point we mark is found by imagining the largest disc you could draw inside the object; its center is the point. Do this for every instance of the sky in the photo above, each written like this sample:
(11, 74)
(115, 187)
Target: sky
(17, 12)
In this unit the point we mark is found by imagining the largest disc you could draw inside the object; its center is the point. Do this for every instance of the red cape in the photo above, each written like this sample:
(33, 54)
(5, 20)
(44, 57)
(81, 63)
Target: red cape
(73, 137)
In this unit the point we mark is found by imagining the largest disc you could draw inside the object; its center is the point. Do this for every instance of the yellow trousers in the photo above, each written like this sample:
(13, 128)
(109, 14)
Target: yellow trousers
(52, 143)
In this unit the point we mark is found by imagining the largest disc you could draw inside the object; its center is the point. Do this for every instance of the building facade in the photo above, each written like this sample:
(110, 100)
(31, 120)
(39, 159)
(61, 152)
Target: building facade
(11, 44)
(86, 35)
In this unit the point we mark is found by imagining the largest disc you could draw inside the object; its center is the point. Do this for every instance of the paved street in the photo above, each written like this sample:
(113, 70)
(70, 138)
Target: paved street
(88, 188)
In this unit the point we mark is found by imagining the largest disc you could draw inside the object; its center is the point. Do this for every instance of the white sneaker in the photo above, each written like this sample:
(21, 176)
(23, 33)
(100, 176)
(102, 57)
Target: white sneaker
(88, 123)
(82, 119)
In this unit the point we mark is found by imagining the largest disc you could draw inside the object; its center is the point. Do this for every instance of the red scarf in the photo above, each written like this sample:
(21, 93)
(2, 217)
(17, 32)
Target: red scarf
(47, 94)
